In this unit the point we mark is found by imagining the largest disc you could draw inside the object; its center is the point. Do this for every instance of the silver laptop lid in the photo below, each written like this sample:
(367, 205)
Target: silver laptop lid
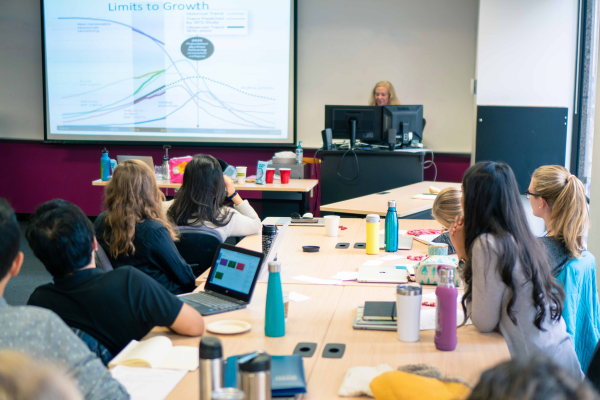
(146, 159)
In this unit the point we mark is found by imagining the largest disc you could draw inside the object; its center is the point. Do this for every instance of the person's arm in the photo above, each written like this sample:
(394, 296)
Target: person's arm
(244, 222)
(93, 379)
(189, 322)
(165, 254)
(488, 288)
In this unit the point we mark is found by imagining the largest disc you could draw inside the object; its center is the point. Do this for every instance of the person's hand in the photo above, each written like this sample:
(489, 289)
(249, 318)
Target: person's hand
(229, 186)
(457, 237)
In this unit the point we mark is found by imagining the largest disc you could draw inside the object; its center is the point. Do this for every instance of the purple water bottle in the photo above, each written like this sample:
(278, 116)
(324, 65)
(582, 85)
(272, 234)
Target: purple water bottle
(445, 318)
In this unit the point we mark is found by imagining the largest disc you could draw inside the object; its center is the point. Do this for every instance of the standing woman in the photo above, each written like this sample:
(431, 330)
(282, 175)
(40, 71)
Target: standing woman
(134, 230)
(507, 277)
(383, 94)
(559, 199)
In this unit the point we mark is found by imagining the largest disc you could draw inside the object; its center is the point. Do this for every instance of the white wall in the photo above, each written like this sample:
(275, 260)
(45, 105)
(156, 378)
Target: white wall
(526, 54)
(425, 48)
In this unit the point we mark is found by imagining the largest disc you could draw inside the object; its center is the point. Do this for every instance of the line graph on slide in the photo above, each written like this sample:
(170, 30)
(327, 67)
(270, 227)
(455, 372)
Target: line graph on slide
(151, 77)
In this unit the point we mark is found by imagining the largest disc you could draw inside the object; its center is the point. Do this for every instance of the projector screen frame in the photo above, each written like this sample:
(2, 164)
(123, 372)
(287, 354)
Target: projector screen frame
(294, 85)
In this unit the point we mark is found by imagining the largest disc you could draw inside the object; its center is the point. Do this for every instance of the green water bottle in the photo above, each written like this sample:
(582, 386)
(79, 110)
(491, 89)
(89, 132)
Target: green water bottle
(274, 311)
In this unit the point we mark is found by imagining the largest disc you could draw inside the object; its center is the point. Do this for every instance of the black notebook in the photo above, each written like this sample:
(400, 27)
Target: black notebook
(380, 311)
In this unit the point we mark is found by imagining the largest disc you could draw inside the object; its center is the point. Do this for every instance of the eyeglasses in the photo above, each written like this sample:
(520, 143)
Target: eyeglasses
(529, 194)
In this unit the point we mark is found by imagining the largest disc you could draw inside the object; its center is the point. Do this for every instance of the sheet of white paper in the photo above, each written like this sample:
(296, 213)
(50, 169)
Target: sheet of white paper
(391, 258)
(410, 269)
(428, 238)
(147, 383)
(298, 297)
(402, 233)
(181, 357)
(428, 318)
(372, 263)
(346, 276)
(382, 232)
(317, 281)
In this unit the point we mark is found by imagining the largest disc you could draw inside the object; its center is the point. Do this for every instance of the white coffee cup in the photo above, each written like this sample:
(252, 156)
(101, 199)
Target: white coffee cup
(332, 224)
(241, 174)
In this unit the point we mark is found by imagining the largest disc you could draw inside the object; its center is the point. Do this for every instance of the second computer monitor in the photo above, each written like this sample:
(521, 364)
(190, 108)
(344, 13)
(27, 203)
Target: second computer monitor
(367, 119)
(404, 119)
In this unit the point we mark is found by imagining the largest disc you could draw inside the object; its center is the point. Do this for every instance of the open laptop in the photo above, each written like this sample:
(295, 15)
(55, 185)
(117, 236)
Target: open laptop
(272, 255)
(230, 283)
(368, 273)
(146, 159)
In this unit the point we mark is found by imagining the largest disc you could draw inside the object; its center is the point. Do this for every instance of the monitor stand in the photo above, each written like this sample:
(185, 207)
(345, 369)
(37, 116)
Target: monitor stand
(353, 137)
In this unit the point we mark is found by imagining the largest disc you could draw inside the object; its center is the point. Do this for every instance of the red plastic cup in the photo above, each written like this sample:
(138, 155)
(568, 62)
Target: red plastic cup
(285, 174)
(270, 175)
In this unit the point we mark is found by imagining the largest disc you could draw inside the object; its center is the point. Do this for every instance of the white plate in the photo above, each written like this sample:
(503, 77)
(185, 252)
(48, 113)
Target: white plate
(228, 327)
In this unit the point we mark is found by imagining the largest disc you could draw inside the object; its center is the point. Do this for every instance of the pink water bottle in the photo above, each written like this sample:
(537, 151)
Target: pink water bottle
(445, 319)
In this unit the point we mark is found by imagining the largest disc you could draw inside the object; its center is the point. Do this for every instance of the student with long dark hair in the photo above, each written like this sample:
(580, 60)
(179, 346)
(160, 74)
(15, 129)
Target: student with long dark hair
(507, 278)
(201, 199)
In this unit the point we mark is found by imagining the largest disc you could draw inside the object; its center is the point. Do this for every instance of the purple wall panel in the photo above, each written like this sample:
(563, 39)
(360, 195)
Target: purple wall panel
(33, 173)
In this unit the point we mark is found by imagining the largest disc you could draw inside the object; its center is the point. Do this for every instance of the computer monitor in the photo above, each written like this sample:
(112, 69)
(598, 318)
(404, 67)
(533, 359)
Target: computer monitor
(355, 122)
(405, 120)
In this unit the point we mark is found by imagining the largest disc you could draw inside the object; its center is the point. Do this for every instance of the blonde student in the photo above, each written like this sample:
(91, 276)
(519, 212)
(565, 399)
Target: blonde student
(559, 199)
(446, 207)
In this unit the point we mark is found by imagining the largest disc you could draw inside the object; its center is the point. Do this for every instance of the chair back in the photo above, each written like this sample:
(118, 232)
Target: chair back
(581, 309)
(94, 345)
(103, 261)
(198, 246)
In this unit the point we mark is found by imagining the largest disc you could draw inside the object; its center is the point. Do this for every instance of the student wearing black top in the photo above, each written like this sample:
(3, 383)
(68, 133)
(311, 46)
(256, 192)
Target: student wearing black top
(135, 231)
(113, 307)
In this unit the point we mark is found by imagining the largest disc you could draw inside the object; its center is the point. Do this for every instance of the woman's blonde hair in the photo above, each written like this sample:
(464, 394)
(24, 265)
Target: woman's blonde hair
(393, 101)
(446, 206)
(23, 379)
(565, 195)
(131, 196)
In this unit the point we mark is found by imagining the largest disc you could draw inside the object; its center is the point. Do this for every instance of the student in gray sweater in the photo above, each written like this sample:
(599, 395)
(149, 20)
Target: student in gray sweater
(559, 199)
(507, 277)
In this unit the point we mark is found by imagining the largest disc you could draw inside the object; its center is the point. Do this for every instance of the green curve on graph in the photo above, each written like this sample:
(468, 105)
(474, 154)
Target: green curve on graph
(110, 84)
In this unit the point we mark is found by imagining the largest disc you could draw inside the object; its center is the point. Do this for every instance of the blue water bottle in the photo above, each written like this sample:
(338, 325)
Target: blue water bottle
(274, 313)
(105, 165)
(391, 228)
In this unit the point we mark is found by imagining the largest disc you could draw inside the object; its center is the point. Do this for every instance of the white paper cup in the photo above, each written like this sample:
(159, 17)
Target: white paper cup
(241, 174)
(286, 303)
(332, 225)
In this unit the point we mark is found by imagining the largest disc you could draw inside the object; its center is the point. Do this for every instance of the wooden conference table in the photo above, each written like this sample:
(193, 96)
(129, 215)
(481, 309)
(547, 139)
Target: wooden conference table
(377, 203)
(302, 186)
(328, 315)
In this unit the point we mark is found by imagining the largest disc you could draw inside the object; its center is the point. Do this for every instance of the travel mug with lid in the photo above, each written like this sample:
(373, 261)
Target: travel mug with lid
(268, 236)
(408, 311)
(373, 234)
(211, 366)
(254, 376)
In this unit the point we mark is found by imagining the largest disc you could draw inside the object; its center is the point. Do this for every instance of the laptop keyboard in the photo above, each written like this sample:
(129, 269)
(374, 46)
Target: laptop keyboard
(205, 299)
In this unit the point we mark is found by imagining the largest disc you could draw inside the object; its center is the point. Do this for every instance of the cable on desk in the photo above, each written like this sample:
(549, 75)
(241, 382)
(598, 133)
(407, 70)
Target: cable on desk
(430, 163)
(357, 166)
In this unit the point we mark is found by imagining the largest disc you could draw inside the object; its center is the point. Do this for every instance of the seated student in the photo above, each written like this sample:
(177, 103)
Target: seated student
(535, 378)
(41, 334)
(200, 201)
(559, 199)
(62, 237)
(446, 207)
(134, 231)
(383, 94)
(22, 378)
(506, 274)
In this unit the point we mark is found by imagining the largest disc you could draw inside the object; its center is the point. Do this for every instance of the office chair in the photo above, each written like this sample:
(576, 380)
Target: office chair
(198, 245)
(102, 260)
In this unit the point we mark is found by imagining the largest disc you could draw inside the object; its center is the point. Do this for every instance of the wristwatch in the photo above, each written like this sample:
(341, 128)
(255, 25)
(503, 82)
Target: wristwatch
(229, 198)
(461, 263)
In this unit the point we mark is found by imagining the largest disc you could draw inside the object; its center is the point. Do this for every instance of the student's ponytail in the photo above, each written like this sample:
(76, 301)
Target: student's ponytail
(565, 194)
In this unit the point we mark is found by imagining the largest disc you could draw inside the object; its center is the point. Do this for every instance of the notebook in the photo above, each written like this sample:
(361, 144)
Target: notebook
(157, 352)
(230, 283)
(367, 273)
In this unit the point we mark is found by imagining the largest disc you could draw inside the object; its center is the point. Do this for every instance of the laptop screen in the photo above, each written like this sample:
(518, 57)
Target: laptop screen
(234, 271)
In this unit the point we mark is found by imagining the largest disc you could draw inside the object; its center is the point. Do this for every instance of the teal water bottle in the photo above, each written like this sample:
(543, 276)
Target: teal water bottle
(391, 228)
(105, 165)
(274, 312)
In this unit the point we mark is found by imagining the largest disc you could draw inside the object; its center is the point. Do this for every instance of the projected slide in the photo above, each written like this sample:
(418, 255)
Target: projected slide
(214, 69)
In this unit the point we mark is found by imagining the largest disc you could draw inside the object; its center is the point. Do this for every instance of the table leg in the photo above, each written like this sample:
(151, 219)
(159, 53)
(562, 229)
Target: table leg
(303, 204)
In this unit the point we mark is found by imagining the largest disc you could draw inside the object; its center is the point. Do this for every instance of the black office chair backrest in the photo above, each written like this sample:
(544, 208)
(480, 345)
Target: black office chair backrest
(593, 371)
(198, 245)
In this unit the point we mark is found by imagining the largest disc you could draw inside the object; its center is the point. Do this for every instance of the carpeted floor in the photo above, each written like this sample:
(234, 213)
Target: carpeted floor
(33, 274)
